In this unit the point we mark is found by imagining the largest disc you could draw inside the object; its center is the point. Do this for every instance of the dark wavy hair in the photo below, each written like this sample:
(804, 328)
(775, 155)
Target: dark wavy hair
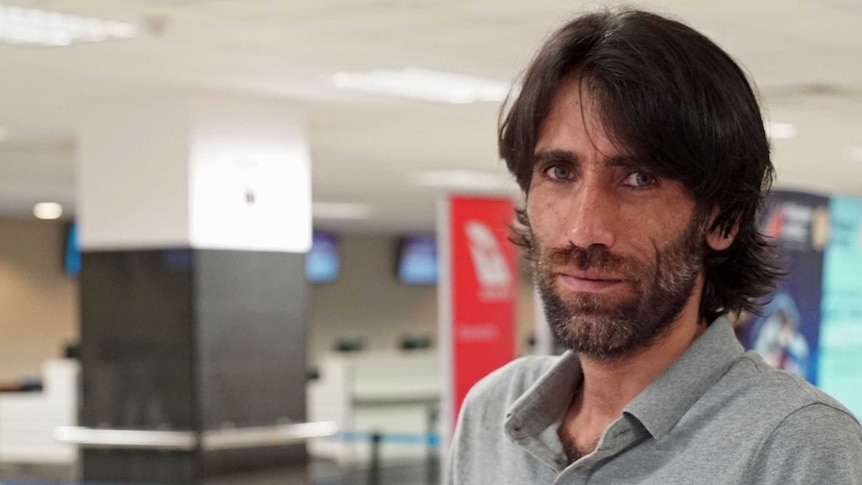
(672, 99)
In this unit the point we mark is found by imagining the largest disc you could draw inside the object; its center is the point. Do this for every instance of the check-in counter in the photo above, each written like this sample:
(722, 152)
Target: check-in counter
(27, 419)
(396, 394)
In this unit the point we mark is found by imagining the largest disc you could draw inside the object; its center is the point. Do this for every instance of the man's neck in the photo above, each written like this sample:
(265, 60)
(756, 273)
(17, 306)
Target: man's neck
(610, 384)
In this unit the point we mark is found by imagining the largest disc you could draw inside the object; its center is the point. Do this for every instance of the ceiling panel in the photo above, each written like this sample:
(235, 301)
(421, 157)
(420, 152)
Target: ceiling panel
(803, 53)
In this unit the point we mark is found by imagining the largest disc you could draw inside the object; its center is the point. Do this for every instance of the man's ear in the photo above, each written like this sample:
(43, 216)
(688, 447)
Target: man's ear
(714, 238)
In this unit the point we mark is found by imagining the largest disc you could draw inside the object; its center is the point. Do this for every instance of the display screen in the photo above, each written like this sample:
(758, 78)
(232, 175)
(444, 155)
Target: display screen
(72, 257)
(322, 262)
(417, 260)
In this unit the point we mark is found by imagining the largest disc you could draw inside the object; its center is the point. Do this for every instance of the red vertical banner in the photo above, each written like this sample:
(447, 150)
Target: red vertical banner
(478, 293)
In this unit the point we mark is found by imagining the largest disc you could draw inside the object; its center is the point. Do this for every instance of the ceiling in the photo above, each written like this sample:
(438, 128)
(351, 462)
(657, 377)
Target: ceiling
(805, 55)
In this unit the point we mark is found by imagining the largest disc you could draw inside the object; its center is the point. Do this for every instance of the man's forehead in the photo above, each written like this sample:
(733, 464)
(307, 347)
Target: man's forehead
(575, 112)
(573, 95)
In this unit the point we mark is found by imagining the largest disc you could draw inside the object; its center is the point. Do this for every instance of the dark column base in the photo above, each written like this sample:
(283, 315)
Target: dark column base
(135, 466)
(218, 463)
(191, 340)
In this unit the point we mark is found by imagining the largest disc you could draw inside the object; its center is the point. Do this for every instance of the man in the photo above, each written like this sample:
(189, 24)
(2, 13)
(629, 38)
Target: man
(641, 150)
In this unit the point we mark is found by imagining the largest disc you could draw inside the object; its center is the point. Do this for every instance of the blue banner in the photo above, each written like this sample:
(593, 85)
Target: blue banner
(787, 334)
(841, 336)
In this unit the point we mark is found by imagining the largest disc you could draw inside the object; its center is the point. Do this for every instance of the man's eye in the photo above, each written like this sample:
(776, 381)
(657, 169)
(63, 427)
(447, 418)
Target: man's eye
(559, 172)
(639, 179)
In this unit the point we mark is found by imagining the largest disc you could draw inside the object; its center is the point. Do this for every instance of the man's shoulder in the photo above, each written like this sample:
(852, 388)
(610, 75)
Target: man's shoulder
(774, 411)
(810, 436)
(777, 392)
(783, 429)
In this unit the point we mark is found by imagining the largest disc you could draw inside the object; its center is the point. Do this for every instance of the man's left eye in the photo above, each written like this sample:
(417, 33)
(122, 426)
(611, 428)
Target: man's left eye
(639, 179)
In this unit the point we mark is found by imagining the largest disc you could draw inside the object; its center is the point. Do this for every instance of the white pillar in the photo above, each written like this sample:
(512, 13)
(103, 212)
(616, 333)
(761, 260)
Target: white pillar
(195, 170)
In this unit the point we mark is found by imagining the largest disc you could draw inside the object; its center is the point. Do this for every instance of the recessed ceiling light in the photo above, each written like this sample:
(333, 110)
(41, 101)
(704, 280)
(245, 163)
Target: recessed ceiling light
(780, 131)
(38, 27)
(48, 210)
(340, 210)
(173, 3)
(423, 84)
(466, 180)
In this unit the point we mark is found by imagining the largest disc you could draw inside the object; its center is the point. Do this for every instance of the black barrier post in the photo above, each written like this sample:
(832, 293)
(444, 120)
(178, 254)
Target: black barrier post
(374, 468)
(432, 461)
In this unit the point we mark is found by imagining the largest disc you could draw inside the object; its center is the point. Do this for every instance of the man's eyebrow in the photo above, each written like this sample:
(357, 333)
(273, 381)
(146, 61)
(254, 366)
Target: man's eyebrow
(545, 156)
(623, 161)
(617, 161)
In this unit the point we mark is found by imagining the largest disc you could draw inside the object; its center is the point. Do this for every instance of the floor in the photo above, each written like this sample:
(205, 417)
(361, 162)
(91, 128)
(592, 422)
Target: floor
(319, 473)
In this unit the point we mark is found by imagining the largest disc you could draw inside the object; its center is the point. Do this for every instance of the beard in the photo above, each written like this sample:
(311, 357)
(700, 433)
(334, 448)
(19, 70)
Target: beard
(604, 325)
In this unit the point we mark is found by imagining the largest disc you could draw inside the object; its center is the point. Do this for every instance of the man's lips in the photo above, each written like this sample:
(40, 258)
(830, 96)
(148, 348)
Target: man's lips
(588, 282)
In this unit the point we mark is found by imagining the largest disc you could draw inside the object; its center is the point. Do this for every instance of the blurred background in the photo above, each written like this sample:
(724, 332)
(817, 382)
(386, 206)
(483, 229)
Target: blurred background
(180, 316)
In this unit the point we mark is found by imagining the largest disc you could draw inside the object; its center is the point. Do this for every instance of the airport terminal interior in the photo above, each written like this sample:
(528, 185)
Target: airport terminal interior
(236, 235)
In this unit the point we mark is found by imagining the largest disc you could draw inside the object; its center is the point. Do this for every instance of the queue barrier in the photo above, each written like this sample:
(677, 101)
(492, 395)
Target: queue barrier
(430, 440)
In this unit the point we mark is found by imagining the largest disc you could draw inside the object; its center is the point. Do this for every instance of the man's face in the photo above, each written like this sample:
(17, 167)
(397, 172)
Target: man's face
(617, 252)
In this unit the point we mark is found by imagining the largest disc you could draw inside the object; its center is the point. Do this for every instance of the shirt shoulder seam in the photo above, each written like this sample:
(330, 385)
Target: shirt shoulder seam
(786, 377)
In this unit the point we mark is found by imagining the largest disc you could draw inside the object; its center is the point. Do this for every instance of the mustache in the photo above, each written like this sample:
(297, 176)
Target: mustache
(595, 256)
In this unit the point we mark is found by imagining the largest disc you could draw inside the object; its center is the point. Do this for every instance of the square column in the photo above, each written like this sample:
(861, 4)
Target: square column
(194, 213)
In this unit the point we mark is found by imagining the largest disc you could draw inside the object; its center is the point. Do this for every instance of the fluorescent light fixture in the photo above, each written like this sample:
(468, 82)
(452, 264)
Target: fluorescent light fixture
(423, 84)
(780, 131)
(38, 27)
(340, 210)
(466, 180)
(854, 154)
(48, 210)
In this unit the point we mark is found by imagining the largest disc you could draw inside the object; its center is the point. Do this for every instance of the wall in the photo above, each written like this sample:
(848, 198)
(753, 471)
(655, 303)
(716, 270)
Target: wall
(368, 302)
(38, 301)
(39, 309)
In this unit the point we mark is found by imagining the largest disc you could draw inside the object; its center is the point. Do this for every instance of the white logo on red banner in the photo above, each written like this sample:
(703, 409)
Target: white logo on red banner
(489, 262)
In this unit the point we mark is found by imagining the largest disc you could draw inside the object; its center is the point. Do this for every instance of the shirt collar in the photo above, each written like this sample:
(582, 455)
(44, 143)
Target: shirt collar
(663, 403)
(543, 402)
(658, 407)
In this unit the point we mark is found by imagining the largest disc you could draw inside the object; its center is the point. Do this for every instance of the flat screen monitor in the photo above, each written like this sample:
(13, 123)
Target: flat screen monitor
(72, 256)
(322, 262)
(417, 260)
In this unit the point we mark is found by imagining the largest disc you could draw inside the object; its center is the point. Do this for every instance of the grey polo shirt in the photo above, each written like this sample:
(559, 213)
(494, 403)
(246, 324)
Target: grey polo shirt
(718, 415)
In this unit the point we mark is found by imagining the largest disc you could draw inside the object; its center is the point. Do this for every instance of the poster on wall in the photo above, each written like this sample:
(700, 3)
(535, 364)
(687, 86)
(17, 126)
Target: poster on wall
(841, 334)
(787, 334)
(478, 293)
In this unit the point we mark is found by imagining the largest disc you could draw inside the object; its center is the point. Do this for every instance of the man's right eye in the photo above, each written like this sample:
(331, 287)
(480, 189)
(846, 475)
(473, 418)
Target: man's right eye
(559, 172)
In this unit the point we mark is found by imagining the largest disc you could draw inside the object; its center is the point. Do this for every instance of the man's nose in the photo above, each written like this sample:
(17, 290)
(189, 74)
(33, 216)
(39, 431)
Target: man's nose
(591, 217)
